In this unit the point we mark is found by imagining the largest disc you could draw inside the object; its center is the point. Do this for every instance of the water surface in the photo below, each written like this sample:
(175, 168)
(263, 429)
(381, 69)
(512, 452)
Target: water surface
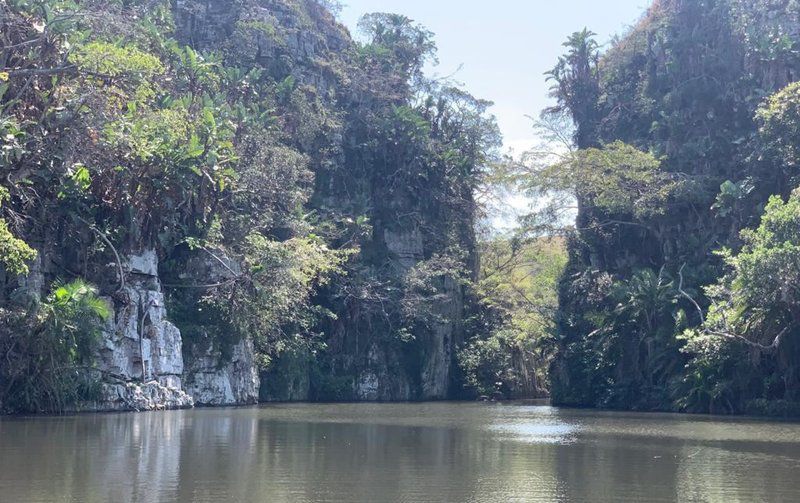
(459, 452)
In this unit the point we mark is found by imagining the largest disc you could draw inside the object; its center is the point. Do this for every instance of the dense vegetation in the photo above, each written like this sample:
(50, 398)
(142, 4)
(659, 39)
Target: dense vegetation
(330, 186)
(517, 288)
(680, 291)
(319, 197)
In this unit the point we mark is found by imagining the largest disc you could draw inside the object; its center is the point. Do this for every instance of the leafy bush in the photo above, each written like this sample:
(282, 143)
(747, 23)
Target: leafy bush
(754, 308)
(49, 363)
(14, 252)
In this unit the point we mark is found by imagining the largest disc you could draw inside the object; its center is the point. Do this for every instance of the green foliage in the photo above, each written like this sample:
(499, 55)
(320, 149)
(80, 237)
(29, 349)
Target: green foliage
(501, 365)
(731, 197)
(576, 83)
(767, 268)
(13, 137)
(714, 376)
(111, 60)
(670, 90)
(50, 360)
(757, 295)
(517, 288)
(416, 155)
(753, 306)
(272, 295)
(396, 40)
(617, 178)
(272, 146)
(72, 312)
(427, 287)
(768, 35)
(635, 331)
(14, 252)
(779, 120)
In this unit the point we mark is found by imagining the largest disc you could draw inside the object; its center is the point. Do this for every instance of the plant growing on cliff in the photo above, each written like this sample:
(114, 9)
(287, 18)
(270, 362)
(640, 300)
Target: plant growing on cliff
(743, 351)
(276, 144)
(48, 365)
(14, 252)
(626, 185)
(669, 90)
(428, 287)
(269, 301)
(576, 84)
(754, 307)
(399, 46)
(777, 151)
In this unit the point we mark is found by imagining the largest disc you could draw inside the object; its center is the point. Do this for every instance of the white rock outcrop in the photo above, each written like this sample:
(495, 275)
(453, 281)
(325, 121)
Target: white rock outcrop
(140, 344)
(142, 355)
(212, 379)
(141, 397)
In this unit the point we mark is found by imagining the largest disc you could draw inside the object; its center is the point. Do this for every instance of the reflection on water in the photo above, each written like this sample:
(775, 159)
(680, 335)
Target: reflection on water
(396, 453)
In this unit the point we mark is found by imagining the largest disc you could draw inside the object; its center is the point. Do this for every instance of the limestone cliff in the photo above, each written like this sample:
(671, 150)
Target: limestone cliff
(364, 357)
(687, 83)
(266, 207)
(139, 344)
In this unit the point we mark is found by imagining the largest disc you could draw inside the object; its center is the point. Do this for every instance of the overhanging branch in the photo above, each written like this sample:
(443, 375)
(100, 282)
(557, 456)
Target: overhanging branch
(728, 333)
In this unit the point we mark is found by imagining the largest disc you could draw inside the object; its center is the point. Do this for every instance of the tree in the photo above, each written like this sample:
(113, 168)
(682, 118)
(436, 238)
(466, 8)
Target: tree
(758, 301)
(622, 184)
(576, 84)
(777, 151)
(517, 288)
(396, 39)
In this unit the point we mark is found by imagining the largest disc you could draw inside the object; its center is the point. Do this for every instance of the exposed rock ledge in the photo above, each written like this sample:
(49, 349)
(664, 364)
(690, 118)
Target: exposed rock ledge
(139, 397)
(144, 353)
(233, 383)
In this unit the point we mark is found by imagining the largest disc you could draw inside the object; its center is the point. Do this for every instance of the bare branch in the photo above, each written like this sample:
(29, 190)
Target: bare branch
(222, 262)
(102, 235)
(728, 333)
(43, 71)
(683, 293)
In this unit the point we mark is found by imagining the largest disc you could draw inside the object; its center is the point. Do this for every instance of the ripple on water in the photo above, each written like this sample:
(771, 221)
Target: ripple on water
(536, 432)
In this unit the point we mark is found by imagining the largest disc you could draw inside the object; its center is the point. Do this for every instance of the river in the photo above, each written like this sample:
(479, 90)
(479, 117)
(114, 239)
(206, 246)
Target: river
(459, 452)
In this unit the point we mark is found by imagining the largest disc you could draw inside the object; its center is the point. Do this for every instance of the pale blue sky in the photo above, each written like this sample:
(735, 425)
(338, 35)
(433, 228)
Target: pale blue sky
(505, 46)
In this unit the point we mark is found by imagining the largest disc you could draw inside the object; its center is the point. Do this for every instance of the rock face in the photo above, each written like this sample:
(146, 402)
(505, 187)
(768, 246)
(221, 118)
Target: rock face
(383, 379)
(142, 361)
(213, 378)
(367, 362)
(764, 28)
(139, 344)
(441, 343)
(218, 372)
(289, 378)
(406, 247)
(328, 101)
(132, 396)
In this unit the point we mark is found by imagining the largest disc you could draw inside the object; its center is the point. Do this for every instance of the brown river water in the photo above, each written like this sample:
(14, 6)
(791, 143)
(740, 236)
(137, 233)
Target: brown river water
(437, 452)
